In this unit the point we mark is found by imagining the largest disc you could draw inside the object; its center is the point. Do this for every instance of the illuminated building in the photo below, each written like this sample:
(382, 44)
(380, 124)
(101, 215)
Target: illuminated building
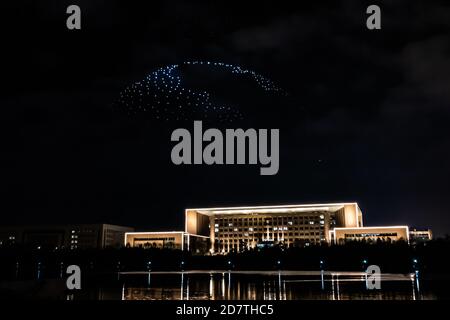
(417, 236)
(64, 236)
(224, 230)
(168, 239)
(242, 228)
(370, 234)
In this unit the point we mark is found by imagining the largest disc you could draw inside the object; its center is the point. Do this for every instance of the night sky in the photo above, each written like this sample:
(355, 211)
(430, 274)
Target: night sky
(365, 118)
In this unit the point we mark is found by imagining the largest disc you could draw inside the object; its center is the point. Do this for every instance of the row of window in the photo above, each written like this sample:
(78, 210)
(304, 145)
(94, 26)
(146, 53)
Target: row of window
(290, 217)
(155, 239)
(278, 229)
(286, 235)
(365, 235)
(240, 246)
(267, 222)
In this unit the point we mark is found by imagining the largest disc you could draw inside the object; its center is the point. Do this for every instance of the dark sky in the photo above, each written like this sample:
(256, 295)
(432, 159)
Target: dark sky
(366, 118)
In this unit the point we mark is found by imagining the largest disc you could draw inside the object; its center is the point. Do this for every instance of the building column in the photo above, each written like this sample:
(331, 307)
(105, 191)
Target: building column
(212, 234)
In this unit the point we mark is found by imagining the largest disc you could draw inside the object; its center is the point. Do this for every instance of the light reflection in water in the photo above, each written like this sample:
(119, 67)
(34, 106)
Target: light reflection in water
(417, 281)
(332, 287)
(276, 285)
(337, 288)
(211, 288)
(415, 286)
(182, 286)
(39, 271)
(187, 289)
(321, 280)
(223, 285)
(229, 286)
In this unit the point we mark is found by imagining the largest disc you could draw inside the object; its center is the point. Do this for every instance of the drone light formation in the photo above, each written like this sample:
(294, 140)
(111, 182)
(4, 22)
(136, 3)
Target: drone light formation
(164, 94)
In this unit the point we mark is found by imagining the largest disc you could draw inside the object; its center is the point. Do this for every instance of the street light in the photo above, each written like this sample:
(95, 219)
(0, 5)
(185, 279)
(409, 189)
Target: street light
(364, 264)
(415, 264)
(278, 263)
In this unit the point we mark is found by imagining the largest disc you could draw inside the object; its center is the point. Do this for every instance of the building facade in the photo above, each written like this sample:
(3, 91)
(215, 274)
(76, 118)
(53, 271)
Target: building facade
(163, 239)
(179, 240)
(370, 234)
(241, 228)
(76, 236)
(420, 235)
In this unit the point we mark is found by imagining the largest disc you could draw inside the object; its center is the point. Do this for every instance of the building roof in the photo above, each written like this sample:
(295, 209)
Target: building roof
(273, 208)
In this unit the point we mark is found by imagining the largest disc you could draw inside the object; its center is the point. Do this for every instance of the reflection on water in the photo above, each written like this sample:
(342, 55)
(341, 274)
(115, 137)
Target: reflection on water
(269, 285)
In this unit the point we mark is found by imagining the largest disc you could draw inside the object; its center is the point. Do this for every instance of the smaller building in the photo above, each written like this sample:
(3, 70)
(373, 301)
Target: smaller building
(370, 234)
(417, 236)
(160, 239)
(169, 240)
(72, 236)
